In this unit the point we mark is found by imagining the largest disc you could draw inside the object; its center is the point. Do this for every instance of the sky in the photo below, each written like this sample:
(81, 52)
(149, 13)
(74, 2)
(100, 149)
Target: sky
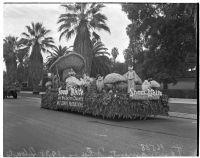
(17, 16)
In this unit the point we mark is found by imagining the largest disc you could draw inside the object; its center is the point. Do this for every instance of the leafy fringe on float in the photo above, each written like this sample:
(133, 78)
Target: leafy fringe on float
(105, 105)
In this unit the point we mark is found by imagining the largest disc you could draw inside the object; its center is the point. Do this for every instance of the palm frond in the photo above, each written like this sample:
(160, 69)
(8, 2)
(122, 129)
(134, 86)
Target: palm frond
(24, 41)
(33, 25)
(63, 33)
(100, 17)
(38, 28)
(25, 35)
(48, 40)
(44, 32)
(70, 7)
(69, 34)
(64, 26)
(96, 36)
(102, 27)
(94, 8)
(91, 7)
(47, 45)
(68, 15)
(57, 52)
(99, 49)
(30, 31)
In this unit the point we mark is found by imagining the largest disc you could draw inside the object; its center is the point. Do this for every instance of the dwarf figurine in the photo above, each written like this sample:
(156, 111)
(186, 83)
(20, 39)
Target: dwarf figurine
(48, 86)
(99, 83)
(71, 72)
(55, 81)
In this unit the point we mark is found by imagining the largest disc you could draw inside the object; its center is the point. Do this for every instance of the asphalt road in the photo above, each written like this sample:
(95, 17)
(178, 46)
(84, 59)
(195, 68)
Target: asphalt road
(29, 130)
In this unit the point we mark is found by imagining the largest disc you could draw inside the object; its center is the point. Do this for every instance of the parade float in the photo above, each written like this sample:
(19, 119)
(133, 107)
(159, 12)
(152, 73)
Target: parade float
(113, 96)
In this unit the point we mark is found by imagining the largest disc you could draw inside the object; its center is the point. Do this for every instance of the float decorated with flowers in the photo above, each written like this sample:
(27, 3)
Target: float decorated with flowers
(113, 96)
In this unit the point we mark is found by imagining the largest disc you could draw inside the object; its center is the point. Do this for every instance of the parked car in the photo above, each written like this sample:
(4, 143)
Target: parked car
(11, 90)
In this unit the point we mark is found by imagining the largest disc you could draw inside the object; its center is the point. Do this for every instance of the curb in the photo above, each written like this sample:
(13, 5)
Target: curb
(28, 92)
(182, 101)
(183, 115)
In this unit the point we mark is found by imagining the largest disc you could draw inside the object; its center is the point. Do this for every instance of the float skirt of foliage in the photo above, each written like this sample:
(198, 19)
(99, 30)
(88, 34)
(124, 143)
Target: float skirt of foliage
(112, 106)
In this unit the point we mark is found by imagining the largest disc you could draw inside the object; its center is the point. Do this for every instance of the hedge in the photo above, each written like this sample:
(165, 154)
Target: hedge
(181, 93)
(106, 105)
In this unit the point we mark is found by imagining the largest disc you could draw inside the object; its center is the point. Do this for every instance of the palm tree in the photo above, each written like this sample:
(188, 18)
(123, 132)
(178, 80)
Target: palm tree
(9, 54)
(83, 19)
(37, 41)
(101, 62)
(57, 52)
(21, 55)
(14, 54)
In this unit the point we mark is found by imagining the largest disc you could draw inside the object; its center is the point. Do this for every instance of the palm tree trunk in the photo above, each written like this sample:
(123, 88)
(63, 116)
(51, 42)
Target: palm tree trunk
(36, 67)
(83, 45)
(20, 73)
(11, 67)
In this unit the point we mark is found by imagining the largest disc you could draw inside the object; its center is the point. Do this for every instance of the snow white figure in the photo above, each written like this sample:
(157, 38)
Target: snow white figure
(131, 76)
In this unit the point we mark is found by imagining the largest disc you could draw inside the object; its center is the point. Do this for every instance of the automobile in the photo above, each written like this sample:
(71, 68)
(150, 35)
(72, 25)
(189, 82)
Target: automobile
(11, 90)
(24, 84)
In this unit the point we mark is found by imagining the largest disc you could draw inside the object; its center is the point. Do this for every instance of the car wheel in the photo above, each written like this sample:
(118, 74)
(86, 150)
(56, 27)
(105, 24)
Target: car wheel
(4, 94)
(15, 95)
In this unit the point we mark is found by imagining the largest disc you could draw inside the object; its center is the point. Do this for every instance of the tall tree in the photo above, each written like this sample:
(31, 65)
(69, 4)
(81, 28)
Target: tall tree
(83, 19)
(37, 41)
(9, 54)
(57, 52)
(168, 35)
(100, 63)
(114, 53)
(22, 56)
(128, 56)
(14, 54)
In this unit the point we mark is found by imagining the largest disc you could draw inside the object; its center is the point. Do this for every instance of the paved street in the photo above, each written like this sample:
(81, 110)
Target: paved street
(32, 131)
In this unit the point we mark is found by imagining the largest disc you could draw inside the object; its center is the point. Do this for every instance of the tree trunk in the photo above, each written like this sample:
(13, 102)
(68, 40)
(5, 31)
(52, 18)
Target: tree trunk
(83, 45)
(36, 67)
(30, 84)
(20, 73)
(11, 68)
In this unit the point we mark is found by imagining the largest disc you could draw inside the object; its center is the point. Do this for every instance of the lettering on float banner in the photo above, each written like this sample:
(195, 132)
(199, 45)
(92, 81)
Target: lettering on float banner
(148, 93)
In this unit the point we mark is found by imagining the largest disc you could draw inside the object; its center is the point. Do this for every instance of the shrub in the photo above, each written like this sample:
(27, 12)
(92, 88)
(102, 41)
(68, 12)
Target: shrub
(181, 93)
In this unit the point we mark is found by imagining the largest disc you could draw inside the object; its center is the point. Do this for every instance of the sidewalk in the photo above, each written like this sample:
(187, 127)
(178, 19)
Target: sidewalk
(182, 101)
(29, 92)
(183, 115)
(26, 92)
